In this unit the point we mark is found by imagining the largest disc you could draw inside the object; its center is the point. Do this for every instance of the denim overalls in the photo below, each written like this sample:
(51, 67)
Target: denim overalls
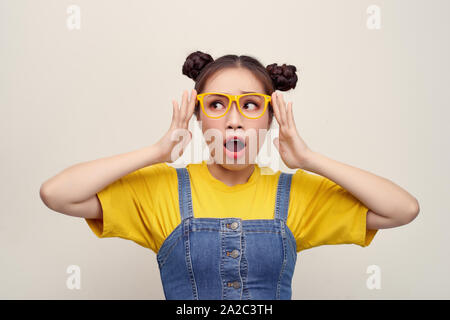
(228, 258)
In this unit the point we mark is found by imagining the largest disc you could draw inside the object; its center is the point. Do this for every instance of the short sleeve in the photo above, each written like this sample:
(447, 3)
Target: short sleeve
(129, 203)
(321, 212)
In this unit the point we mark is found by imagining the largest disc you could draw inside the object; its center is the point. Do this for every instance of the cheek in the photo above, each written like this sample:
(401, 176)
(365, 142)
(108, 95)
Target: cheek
(262, 123)
(208, 123)
(260, 128)
(211, 129)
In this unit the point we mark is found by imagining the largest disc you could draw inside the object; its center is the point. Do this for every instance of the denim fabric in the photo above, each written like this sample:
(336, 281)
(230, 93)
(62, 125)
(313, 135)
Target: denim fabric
(228, 258)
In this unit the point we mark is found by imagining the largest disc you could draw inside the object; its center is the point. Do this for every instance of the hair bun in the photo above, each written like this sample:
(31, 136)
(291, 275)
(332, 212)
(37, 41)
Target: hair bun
(194, 64)
(283, 77)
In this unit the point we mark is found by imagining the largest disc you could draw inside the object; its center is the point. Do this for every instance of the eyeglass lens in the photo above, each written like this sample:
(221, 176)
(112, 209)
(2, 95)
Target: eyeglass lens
(216, 105)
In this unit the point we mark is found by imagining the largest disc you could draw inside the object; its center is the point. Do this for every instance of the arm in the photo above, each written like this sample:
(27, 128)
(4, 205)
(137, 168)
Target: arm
(390, 206)
(74, 190)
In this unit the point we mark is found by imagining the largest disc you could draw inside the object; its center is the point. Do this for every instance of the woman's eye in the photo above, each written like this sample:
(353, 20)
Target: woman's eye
(216, 105)
(250, 106)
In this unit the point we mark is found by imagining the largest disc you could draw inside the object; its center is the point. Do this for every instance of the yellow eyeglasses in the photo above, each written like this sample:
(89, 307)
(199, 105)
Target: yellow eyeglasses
(251, 105)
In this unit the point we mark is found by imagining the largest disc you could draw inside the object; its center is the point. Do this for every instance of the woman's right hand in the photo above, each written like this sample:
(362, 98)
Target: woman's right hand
(175, 136)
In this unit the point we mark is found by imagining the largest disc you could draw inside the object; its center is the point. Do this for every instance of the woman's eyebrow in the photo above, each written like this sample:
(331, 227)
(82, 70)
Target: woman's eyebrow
(242, 92)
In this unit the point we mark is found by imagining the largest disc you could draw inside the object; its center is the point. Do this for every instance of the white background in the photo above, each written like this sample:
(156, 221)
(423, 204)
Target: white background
(374, 99)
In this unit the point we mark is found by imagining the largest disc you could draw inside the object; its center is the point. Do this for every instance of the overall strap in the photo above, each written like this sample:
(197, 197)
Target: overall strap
(283, 192)
(184, 193)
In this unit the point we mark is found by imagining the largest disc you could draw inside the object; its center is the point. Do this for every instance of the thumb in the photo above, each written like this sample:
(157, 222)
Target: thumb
(276, 142)
(187, 140)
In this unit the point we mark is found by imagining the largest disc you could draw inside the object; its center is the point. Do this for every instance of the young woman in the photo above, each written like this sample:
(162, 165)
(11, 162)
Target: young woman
(228, 229)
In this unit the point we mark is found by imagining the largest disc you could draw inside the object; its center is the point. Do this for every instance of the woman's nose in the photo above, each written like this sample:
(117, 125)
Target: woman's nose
(234, 117)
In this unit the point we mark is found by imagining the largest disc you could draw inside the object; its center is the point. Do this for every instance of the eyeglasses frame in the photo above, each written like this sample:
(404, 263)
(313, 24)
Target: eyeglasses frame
(235, 98)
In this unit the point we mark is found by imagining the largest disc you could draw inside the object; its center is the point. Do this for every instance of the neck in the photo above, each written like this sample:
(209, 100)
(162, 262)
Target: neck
(231, 177)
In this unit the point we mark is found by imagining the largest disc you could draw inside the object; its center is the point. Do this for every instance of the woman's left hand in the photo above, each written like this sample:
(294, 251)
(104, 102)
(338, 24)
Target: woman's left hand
(293, 150)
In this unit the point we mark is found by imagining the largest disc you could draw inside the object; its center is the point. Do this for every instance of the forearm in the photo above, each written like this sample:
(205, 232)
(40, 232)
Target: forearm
(83, 180)
(380, 195)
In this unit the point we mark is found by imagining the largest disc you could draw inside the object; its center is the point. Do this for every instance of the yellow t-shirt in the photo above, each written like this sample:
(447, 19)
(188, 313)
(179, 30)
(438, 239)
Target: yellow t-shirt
(143, 206)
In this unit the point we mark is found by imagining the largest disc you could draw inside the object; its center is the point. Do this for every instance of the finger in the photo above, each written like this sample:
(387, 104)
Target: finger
(290, 116)
(276, 142)
(184, 103)
(280, 116)
(191, 107)
(276, 110)
(175, 112)
(282, 105)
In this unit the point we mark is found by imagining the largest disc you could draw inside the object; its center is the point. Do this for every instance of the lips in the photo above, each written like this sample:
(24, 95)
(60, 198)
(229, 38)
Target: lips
(234, 143)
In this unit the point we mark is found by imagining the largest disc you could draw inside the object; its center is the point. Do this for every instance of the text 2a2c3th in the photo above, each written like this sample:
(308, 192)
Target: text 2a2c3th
(246, 309)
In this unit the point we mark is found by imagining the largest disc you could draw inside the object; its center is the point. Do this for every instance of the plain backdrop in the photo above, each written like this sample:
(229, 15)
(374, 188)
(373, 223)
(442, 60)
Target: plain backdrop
(376, 99)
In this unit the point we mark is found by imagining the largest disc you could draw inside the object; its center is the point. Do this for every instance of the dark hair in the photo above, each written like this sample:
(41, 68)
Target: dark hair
(199, 66)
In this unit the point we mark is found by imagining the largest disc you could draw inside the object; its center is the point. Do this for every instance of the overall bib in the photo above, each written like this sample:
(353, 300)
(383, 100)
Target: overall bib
(228, 258)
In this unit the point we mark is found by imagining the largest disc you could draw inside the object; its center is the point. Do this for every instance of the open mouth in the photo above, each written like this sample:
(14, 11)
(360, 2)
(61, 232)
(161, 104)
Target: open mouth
(234, 147)
(234, 144)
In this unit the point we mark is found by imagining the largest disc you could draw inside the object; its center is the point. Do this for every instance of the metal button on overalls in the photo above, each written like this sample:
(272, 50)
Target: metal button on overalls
(234, 284)
(228, 258)
(233, 254)
(234, 225)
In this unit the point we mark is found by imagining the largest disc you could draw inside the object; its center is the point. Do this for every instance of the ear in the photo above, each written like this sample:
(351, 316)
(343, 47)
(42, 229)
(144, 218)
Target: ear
(270, 121)
(269, 108)
(197, 112)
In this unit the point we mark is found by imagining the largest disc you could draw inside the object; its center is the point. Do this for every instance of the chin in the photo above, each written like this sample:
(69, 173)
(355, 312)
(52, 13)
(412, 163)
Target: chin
(234, 164)
(235, 167)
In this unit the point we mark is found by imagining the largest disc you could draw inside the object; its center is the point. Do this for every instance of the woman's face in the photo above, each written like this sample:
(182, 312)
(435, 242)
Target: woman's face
(234, 81)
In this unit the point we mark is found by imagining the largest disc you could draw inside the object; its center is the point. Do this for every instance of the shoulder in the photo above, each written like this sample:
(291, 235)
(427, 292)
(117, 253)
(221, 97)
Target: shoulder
(306, 178)
(161, 167)
(266, 171)
(158, 171)
(298, 174)
(309, 185)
